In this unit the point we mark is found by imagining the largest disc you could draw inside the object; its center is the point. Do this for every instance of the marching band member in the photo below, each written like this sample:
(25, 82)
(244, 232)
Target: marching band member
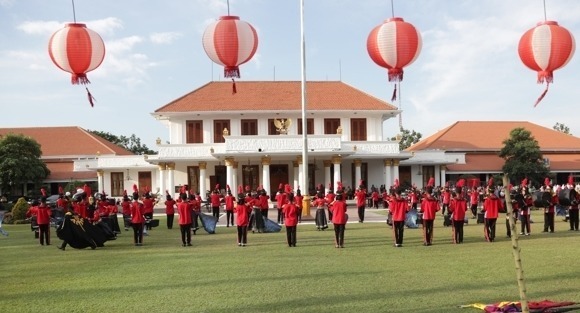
(264, 205)
(525, 209)
(329, 199)
(126, 210)
(229, 200)
(458, 207)
(573, 209)
(549, 209)
(43, 214)
(319, 202)
(339, 217)
(280, 201)
(360, 195)
(298, 202)
(170, 206)
(215, 200)
(399, 208)
(429, 207)
(137, 218)
(148, 204)
(491, 206)
(185, 221)
(445, 198)
(473, 201)
(515, 209)
(291, 220)
(242, 220)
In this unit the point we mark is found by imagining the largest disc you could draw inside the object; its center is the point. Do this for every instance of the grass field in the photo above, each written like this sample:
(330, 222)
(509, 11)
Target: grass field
(215, 275)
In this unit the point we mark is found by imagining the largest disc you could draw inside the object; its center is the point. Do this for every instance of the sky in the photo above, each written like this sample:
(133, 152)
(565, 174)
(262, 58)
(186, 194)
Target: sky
(468, 68)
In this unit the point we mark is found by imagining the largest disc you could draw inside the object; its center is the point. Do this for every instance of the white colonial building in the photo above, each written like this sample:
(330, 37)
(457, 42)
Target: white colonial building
(254, 138)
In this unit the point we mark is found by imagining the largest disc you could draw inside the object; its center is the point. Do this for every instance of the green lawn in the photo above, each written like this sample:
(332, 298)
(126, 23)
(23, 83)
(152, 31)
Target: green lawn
(215, 275)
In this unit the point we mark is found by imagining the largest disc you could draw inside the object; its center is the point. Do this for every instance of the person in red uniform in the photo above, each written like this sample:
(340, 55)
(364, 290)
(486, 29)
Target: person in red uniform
(329, 199)
(185, 222)
(281, 199)
(242, 220)
(458, 207)
(550, 211)
(137, 219)
(360, 197)
(525, 211)
(515, 209)
(573, 212)
(195, 207)
(264, 205)
(215, 199)
(290, 220)
(399, 207)
(32, 214)
(229, 201)
(126, 210)
(298, 201)
(148, 204)
(429, 207)
(445, 199)
(491, 206)
(43, 219)
(473, 201)
(170, 206)
(319, 203)
(375, 198)
(339, 218)
(62, 202)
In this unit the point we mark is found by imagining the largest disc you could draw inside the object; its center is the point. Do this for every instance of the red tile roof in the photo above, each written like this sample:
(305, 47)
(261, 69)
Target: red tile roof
(67, 141)
(489, 136)
(275, 95)
(489, 163)
(64, 171)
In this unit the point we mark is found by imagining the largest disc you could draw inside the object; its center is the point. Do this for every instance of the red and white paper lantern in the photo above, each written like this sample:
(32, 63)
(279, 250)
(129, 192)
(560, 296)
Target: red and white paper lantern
(77, 50)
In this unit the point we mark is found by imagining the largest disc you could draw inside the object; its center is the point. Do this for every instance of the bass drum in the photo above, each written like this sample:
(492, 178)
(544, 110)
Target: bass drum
(541, 199)
(566, 196)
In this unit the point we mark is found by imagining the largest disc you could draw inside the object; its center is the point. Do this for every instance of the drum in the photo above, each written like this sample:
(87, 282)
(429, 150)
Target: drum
(541, 199)
(566, 196)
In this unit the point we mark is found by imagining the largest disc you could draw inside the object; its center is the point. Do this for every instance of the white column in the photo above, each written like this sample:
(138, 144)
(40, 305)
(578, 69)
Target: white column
(295, 168)
(437, 175)
(100, 181)
(266, 160)
(336, 161)
(326, 175)
(161, 182)
(388, 175)
(396, 170)
(235, 179)
(230, 174)
(300, 183)
(443, 181)
(357, 173)
(171, 179)
(202, 187)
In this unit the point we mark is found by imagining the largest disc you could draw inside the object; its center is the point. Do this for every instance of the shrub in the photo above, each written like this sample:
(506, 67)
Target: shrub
(8, 218)
(19, 209)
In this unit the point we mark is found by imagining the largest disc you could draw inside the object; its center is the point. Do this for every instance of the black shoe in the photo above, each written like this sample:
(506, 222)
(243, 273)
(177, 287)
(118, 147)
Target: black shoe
(189, 244)
(61, 248)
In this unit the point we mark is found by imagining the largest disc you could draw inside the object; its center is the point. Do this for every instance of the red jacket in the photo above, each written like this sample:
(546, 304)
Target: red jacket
(446, 197)
(264, 202)
(429, 207)
(184, 211)
(399, 208)
(338, 209)
(81, 209)
(360, 197)
(43, 214)
(230, 200)
(242, 212)
(318, 203)
(330, 197)
(170, 207)
(137, 213)
(32, 211)
(281, 199)
(298, 201)
(491, 206)
(215, 199)
(290, 214)
(126, 205)
(148, 205)
(458, 206)
(474, 197)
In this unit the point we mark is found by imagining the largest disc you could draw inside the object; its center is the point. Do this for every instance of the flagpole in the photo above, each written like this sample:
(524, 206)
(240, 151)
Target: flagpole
(304, 183)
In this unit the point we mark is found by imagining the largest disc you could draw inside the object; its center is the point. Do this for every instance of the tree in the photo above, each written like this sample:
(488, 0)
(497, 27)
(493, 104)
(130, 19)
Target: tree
(562, 128)
(132, 143)
(20, 162)
(408, 138)
(523, 157)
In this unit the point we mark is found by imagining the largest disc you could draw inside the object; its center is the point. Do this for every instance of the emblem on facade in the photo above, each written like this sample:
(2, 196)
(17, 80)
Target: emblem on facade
(282, 125)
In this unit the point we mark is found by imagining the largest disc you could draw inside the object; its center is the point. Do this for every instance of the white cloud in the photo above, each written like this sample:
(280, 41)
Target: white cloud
(40, 27)
(6, 3)
(164, 38)
(105, 26)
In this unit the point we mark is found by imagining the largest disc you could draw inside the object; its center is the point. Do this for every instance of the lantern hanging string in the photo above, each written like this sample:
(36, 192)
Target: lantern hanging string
(74, 13)
(228, 2)
(392, 9)
(545, 17)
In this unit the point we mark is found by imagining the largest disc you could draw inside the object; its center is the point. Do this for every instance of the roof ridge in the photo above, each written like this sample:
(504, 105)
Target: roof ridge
(93, 137)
